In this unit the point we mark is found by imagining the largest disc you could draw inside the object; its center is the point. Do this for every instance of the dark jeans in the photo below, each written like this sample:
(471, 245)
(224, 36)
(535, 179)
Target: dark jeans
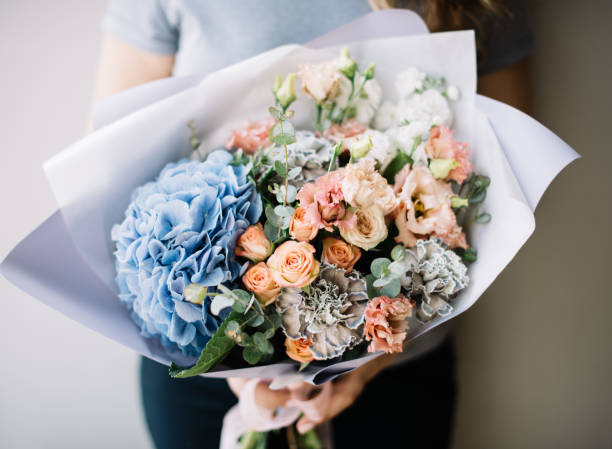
(410, 406)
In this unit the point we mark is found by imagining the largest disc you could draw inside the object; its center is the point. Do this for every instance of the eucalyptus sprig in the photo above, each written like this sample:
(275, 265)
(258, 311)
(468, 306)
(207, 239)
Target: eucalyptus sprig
(385, 276)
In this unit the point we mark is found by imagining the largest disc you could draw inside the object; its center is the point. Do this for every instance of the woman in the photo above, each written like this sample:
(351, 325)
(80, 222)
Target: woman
(151, 39)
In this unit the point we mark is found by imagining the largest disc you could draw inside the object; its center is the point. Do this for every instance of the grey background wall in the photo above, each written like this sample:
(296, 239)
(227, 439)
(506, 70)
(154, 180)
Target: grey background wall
(534, 356)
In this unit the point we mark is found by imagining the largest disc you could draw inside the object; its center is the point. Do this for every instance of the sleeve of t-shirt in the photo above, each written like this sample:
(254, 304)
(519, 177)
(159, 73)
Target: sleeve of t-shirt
(507, 40)
(142, 24)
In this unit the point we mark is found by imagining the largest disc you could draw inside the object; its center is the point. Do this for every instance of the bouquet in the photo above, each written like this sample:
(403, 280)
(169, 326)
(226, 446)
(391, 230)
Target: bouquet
(311, 244)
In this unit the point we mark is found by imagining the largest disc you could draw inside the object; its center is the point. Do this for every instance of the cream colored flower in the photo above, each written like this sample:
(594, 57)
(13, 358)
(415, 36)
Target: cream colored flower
(320, 81)
(370, 228)
(363, 187)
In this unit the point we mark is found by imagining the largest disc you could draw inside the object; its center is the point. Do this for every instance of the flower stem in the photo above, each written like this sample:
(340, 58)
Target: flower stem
(286, 165)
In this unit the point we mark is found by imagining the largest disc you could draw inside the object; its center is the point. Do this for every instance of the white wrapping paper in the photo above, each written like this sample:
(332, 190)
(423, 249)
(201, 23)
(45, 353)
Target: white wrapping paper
(93, 179)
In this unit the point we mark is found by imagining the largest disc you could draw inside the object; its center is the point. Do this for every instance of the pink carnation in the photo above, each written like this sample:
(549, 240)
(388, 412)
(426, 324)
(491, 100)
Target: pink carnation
(425, 209)
(442, 145)
(385, 323)
(252, 136)
(324, 202)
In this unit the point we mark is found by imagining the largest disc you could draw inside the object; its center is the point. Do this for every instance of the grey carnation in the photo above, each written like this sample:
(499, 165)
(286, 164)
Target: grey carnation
(437, 274)
(331, 312)
(309, 152)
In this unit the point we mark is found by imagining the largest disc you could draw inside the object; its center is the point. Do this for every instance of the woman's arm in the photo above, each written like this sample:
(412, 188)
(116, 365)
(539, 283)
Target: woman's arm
(122, 66)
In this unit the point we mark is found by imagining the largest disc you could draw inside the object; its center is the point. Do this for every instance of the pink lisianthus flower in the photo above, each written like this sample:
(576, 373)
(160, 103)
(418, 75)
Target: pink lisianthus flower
(425, 209)
(385, 323)
(442, 145)
(252, 136)
(323, 202)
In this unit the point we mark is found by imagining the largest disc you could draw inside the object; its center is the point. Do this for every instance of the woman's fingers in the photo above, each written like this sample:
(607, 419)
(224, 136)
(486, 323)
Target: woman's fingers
(344, 393)
(270, 399)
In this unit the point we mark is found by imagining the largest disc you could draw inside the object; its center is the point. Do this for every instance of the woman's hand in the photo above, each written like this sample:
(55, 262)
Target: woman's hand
(345, 391)
(264, 396)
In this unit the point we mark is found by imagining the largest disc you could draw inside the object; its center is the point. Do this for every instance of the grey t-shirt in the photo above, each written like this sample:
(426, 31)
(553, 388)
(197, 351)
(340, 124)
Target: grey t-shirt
(207, 36)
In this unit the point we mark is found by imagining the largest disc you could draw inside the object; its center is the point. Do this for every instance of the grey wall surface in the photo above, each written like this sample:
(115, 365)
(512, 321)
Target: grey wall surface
(534, 356)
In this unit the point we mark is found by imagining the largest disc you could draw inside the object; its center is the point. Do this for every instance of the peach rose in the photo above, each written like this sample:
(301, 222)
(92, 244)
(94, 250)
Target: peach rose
(345, 132)
(298, 350)
(301, 229)
(370, 228)
(258, 279)
(339, 253)
(385, 323)
(293, 264)
(253, 244)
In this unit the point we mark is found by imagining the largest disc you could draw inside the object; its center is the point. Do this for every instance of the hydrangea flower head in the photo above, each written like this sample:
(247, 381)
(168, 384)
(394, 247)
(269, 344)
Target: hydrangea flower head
(179, 230)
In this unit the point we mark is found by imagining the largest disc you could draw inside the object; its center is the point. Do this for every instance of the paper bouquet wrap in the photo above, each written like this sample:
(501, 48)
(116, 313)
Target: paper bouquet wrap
(69, 262)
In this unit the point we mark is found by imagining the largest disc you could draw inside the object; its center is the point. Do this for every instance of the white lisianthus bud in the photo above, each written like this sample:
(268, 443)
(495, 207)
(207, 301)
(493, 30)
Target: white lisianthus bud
(194, 293)
(441, 167)
(286, 92)
(361, 147)
(278, 81)
(368, 73)
(457, 202)
(346, 64)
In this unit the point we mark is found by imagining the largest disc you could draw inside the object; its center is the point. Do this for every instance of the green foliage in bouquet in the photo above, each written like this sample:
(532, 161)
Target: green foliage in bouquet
(247, 315)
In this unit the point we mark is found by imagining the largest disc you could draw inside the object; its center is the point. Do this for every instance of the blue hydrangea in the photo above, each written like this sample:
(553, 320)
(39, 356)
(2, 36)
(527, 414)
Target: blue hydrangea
(182, 229)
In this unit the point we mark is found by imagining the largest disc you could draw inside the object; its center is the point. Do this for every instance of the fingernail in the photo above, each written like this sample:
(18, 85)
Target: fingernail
(304, 427)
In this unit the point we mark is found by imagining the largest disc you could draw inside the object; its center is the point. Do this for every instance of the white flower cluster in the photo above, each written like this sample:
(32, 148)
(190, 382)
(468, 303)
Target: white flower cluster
(422, 104)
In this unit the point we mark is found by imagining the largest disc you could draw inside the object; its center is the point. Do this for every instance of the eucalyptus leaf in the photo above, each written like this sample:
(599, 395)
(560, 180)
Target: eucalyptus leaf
(260, 342)
(273, 219)
(257, 321)
(220, 302)
(479, 196)
(392, 289)
(217, 348)
(280, 168)
(251, 354)
(272, 231)
(483, 218)
(294, 173)
(379, 266)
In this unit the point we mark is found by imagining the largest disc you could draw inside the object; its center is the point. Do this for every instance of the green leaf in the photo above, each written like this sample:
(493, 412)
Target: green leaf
(251, 355)
(372, 291)
(391, 290)
(470, 255)
(260, 342)
(269, 332)
(280, 169)
(483, 218)
(217, 348)
(379, 266)
(272, 231)
(275, 113)
(231, 328)
(398, 162)
(276, 319)
(271, 216)
(294, 173)
(398, 253)
(257, 321)
(239, 306)
(479, 196)
(284, 211)
(282, 139)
